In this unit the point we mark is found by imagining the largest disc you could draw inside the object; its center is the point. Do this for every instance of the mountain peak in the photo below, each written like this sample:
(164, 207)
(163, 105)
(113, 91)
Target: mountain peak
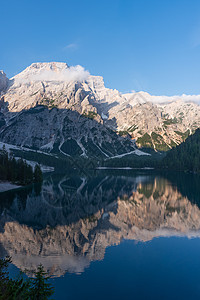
(54, 66)
(38, 68)
(51, 71)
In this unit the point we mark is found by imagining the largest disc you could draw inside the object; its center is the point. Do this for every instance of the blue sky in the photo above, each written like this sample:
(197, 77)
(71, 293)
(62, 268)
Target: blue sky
(137, 45)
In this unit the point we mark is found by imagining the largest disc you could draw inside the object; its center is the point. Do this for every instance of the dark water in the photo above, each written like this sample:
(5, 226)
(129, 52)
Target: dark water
(108, 235)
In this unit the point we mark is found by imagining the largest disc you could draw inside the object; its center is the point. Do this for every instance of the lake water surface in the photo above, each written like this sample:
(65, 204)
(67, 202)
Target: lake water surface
(108, 234)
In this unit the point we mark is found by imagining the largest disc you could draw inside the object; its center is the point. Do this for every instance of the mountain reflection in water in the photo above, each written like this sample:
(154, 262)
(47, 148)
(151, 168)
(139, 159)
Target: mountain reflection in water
(72, 220)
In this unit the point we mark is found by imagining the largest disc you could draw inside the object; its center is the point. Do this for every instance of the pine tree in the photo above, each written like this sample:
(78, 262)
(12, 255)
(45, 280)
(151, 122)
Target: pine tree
(37, 174)
(17, 171)
(36, 288)
(40, 288)
(17, 289)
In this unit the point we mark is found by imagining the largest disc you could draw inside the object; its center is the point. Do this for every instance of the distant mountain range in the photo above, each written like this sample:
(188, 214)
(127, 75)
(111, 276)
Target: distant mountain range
(55, 108)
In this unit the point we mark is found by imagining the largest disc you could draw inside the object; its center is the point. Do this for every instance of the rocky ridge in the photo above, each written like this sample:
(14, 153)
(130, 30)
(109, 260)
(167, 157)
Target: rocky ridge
(156, 122)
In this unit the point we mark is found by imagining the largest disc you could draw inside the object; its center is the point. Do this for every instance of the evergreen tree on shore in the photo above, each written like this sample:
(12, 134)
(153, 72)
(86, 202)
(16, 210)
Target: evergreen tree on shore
(37, 288)
(17, 171)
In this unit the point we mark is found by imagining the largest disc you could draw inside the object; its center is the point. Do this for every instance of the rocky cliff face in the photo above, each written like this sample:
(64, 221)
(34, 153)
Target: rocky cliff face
(49, 107)
(64, 131)
(65, 236)
(157, 122)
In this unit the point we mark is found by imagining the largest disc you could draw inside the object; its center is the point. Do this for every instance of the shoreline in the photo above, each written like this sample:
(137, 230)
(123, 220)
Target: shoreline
(7, 186)
(123, 168)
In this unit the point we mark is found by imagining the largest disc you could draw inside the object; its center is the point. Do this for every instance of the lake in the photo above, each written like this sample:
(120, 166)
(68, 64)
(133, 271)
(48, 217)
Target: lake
(107, 234)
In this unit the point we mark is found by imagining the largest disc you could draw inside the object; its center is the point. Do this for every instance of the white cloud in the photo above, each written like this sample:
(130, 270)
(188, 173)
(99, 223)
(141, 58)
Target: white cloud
(67, 74)
(72, 46)
(183, 97)
(143, 97)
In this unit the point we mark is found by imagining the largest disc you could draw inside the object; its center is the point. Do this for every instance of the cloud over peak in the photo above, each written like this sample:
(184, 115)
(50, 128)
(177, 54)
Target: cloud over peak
(46, 72)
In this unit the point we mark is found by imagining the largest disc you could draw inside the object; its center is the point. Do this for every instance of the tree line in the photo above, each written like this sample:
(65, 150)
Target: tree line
(186, 156)
(18, 171)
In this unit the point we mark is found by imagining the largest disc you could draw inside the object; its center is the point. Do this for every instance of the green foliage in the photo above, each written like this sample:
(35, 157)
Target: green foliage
(159, 143)
(13, 170)
(186, 156)
(37, 288)
(90, 115)
(58, 162)
(40, 289)
(145, 141)
(172, 144)
(156, 137)
(170, 121)
(134, 161)
(162, 147)
(184, 135)
(155, 140)
(11, 288)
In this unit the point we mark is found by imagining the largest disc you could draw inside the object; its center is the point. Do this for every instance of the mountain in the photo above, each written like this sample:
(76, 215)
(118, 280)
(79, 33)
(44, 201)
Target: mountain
(186, 156)
(56, 115)
(56, 108)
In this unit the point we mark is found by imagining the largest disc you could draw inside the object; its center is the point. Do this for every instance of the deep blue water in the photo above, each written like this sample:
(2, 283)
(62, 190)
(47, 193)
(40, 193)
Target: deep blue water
(110, 236)
(165, 268)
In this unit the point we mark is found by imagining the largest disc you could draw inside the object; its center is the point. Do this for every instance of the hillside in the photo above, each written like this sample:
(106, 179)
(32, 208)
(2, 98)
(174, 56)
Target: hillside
(186, 156)
(18, 171)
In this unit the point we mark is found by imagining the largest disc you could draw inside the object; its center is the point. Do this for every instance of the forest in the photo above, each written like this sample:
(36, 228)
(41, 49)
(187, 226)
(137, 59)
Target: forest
(17, 170)
(186, 156)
